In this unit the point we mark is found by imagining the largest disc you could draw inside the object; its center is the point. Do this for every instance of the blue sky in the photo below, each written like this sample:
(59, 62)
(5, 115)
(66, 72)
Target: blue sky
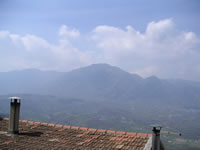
(41, 17)
(154, 37)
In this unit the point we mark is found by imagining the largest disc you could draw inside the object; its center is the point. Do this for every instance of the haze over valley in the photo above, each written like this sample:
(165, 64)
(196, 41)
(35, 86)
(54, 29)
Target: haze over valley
(104, 96)
(118, 65)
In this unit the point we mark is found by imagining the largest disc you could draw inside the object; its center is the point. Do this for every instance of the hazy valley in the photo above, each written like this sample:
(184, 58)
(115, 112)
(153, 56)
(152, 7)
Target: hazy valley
(103, 96)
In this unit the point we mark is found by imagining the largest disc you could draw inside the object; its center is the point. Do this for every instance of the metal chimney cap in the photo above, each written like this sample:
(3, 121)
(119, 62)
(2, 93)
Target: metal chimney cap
(14, 97)
(156, 125)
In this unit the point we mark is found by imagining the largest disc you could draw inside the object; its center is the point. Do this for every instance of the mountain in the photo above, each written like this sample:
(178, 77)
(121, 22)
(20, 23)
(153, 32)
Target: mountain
(104, 96)
(98, 81)
(26, 81)
(101, 82)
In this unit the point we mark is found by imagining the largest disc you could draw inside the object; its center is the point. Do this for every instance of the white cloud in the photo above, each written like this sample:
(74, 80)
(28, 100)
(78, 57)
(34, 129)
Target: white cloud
(160, 30)
(146, 72)
(65, 31)
(161, 50)
(3, 34)
(32, 42)
(172, 52)
(31, 51)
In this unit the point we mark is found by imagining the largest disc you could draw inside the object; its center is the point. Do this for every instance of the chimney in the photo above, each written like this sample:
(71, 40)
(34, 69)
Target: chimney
(156, 138)
(13, 126)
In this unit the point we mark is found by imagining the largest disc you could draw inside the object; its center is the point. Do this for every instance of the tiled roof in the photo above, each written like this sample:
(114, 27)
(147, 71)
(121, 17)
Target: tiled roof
(39, 135)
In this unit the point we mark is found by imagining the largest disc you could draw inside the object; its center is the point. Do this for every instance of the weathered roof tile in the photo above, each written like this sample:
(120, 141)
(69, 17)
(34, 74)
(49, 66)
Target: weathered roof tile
(39, 135)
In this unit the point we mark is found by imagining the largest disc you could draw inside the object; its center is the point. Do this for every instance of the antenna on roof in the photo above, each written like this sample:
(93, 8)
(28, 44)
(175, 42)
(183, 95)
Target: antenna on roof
(173, 132)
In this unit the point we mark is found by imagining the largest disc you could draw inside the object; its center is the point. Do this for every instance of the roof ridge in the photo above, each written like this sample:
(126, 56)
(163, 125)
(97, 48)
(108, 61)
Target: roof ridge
(55, 125)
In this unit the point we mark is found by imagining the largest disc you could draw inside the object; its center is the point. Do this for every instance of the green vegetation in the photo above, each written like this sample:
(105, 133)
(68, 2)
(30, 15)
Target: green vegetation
(127, 116)
(176, 143)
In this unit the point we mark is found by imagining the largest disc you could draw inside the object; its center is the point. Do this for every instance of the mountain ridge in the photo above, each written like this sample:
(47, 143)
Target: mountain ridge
(96, 81)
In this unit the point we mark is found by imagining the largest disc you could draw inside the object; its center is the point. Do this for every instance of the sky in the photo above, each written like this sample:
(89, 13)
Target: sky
(153, 37)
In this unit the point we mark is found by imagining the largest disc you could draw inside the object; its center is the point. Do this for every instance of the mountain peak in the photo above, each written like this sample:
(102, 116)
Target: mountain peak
(103, 69)
(101, 66)
(152, 78)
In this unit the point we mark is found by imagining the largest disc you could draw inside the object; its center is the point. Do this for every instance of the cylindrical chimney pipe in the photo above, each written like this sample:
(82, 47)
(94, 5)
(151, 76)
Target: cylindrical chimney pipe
(156, 138)
(13, 126)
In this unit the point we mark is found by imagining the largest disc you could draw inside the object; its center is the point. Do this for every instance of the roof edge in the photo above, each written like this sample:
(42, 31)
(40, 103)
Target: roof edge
(148, 145)
(61, 126)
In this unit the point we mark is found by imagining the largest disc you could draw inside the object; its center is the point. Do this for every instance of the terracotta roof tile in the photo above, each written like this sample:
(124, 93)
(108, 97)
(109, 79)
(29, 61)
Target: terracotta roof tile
(23, 121)
(101, 130)
(51, 124)
(143, 135)
(67, 127)
(75, 128)
(44, 123)
(121, 133)
(36, 123)
(131, 133)
(30, 122)
(92, 130)
(110, 132)
(40, 135)
(84, 129)
(58, 126)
